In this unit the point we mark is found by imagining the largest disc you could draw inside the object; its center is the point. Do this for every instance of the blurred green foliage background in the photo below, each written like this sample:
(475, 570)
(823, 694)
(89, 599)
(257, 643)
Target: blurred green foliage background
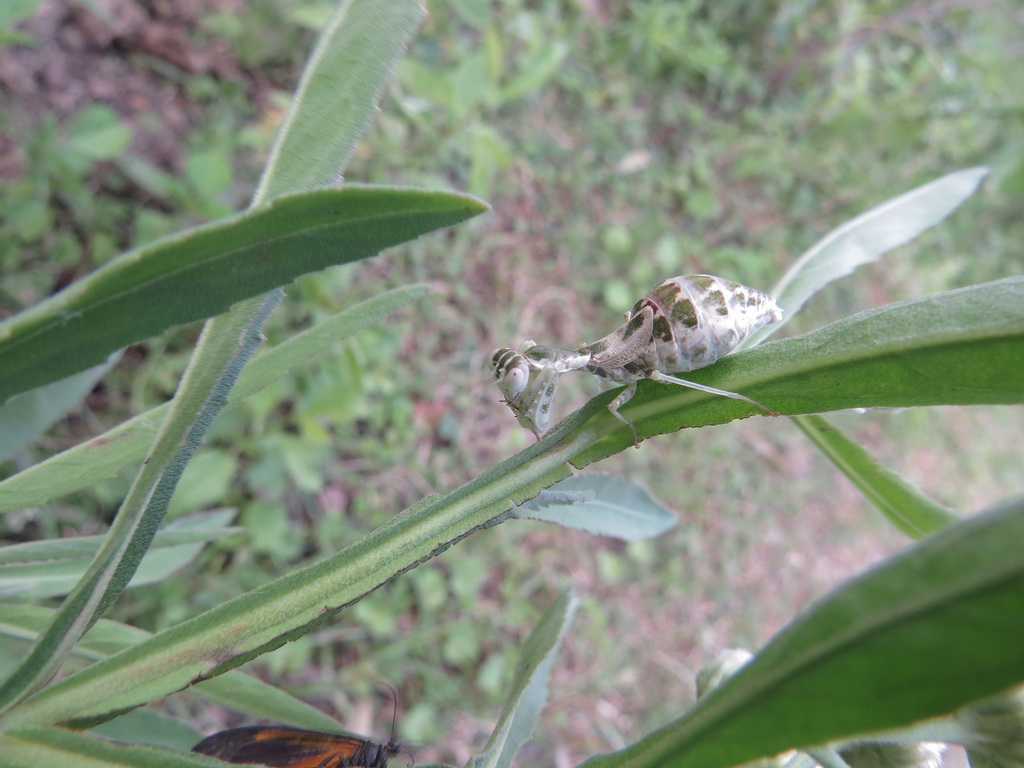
(619, 144)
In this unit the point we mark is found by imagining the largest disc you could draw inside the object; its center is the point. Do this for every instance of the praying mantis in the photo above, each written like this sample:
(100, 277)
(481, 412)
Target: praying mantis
(685, 323)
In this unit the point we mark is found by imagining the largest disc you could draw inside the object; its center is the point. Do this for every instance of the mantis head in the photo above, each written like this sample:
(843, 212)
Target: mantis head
(529, 380)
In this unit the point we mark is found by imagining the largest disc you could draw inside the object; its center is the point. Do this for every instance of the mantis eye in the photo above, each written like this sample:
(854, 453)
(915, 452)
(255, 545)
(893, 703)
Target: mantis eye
(515, 380)
(511, 371)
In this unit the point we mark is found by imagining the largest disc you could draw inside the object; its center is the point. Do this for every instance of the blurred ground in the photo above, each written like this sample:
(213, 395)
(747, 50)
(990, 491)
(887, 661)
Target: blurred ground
(119, 53)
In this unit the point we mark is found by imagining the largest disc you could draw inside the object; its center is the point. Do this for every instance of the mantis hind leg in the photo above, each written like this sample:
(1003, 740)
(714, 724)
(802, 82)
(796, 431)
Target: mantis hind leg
(659, 376)
(623, 398)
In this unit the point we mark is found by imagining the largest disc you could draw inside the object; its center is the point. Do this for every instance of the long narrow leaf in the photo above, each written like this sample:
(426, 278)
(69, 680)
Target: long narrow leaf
(905, 506)
(107, 454)
(931, 630)
(338, 93)
(202, 272)
(529, 686)
(234, 690)
(868, 237)
(204, 526)
(48, 568)
(39, 747)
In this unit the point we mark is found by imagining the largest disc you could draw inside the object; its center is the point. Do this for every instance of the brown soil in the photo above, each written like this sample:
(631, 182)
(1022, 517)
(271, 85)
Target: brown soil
(131, 56)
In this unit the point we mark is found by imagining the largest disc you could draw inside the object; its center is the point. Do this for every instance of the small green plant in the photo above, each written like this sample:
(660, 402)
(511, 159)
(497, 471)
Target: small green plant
(58, 166)
(53, 208)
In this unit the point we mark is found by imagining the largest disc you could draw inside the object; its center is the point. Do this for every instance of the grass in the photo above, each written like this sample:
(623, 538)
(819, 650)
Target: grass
(669, 138)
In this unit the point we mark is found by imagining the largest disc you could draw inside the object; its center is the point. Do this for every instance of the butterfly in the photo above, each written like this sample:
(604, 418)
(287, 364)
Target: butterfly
(282, 747)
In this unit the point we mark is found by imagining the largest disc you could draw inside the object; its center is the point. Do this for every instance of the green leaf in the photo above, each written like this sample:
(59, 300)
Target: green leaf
(539, 66)
(338, 93)
(929, 631)
(154, 180)
(209, 172)
(205, 482)
(205, 270)
(98, 133)
(490, 154)
(962, 347)
(425, 81)
(233, 690)
(473, 12)
(29, 218)
(39, 747)
(52, 567)
(468, 85)
(27, 415)
(107, 454)
(905, 506)
(529, 686)
(993, 726)
(202, 527)
(8, 37)
(603, 504)
(866, 238)
(144, 726)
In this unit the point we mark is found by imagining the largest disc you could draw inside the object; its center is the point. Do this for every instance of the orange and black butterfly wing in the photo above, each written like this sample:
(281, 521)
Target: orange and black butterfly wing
(282, 747)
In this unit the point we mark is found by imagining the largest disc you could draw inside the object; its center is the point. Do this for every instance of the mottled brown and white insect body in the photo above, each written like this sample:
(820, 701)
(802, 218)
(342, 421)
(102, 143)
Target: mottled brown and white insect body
(687, 322)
